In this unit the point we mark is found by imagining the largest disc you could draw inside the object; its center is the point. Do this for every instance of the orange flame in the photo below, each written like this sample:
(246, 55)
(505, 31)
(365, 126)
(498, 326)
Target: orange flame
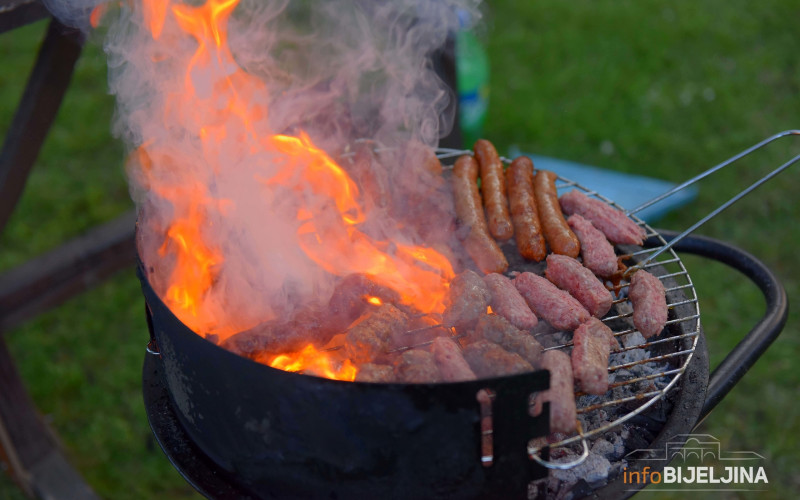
(97, 14)
(224, 108)
(155, 12)
(314, 362)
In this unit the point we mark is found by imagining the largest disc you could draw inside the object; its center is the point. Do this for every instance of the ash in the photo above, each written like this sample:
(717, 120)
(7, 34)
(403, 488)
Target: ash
(607, 450)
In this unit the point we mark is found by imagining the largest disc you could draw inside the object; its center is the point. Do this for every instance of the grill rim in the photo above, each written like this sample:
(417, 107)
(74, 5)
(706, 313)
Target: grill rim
(685, 352)
(770, 329)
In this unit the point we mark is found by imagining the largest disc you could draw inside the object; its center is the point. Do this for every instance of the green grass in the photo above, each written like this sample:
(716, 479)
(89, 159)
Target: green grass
(674, 88)
(677, 89)
(82, 361)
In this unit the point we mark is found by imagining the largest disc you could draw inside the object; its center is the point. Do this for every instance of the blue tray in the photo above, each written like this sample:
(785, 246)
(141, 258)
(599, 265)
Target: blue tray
(628, 190)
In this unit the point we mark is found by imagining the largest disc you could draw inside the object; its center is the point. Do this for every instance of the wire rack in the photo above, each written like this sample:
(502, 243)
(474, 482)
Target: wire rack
(642, 371)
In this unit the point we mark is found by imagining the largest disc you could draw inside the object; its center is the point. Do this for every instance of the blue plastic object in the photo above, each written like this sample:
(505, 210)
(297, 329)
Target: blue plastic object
(628, 190)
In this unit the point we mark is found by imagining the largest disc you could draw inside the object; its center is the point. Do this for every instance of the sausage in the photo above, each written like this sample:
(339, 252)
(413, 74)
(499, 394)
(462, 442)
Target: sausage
(452, 365)
(524, 214)
(597, 253)
(488, 359)
(467, 300)
(508, 303)
(277, 336)
(493, 187)
(556, 230)
(368, 338)
(369, 372)
(498, 330)
(568, 274)
(349, 299)
(555, 306)
(420, 196)
(560, 394)
(371, 177)
(477, 241)
(649, 301)
(593, 341)
(417, 152)
(416, 366)
(618, 228)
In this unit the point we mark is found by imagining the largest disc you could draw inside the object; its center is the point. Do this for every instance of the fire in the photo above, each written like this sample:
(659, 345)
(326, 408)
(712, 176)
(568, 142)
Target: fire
(314, 362)
(224, 110)
(375, 301)
(97, 14)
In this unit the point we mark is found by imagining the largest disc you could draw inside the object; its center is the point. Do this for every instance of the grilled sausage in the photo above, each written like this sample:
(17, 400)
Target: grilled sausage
(593, 341)
(349, 299)
(309, 326)
(498, 330)
(416, 366)
(452, 365)
(559, 395)
(570, 275)
(493, 187)
(371, 177)
(508, 303)
(617, 227)
(477, 241)
(368, 338)
(524, 214)
(488, 359)
(556, 230)
(555, 306)
(467, 300)
(370, 372)
(597, 253)
(649, 301)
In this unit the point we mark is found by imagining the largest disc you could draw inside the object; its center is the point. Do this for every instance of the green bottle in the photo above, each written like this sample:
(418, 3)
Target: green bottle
(472, 73)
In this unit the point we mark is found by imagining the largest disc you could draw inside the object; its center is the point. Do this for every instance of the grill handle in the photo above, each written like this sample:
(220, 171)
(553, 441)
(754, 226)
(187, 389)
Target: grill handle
(724, 206)
(761, 336)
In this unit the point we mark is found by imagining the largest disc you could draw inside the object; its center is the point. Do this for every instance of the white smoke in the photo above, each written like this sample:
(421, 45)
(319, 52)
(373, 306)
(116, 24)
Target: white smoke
(73, 13)
(338, 70)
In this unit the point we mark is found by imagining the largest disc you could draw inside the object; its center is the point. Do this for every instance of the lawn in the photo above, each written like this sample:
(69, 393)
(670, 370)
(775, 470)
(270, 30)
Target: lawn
(645, 87)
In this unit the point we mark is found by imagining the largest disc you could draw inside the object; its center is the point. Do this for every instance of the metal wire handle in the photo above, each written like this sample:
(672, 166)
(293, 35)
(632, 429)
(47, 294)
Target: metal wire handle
(725, 205)
(563, 465)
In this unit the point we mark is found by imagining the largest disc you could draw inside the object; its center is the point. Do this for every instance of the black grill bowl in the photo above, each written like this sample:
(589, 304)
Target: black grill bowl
(281, 434)
(266, 433)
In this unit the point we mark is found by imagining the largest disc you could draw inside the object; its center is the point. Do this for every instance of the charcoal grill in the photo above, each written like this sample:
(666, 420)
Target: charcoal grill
(180, 396)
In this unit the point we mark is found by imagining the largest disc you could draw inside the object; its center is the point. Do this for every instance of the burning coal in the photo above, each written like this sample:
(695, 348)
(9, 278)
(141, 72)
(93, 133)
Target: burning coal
(244, 120)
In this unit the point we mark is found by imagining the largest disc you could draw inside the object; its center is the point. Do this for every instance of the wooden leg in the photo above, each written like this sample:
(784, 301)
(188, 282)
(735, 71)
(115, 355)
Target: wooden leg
(27, 446)
(73, 267)
(36, 111)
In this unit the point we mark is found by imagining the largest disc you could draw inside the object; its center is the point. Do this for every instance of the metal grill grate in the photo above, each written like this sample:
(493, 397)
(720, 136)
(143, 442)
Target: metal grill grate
(666, 367)
(667, 355)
